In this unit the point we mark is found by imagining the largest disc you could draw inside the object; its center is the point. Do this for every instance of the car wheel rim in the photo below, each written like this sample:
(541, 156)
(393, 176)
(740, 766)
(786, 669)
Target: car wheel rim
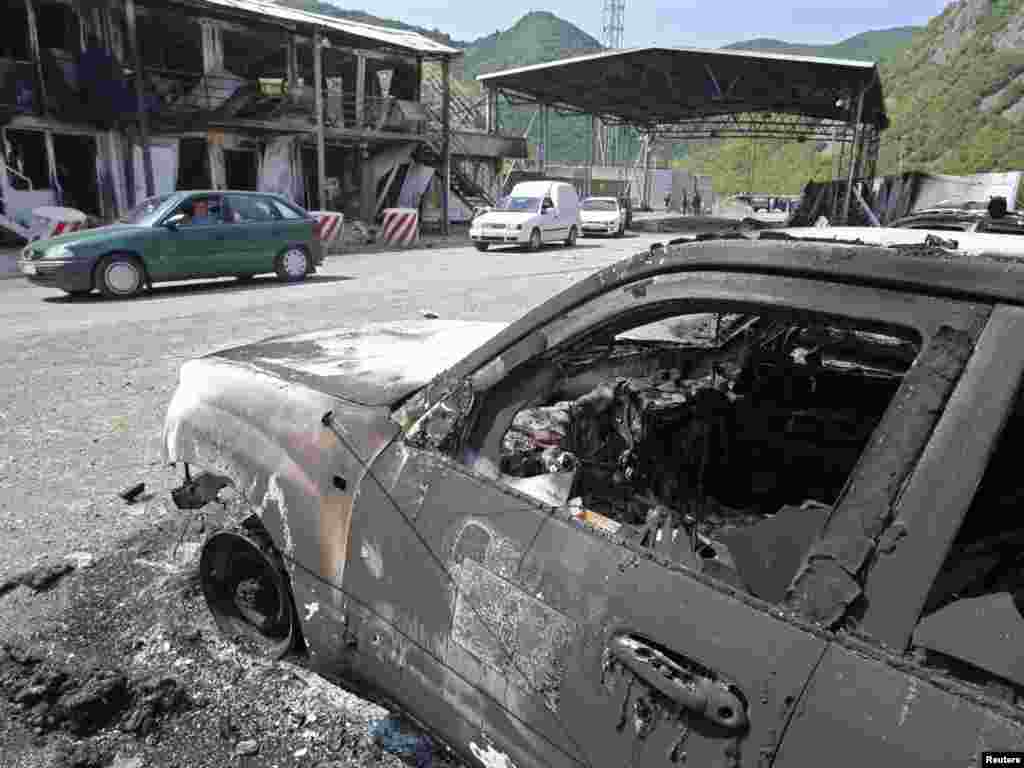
(295, 263)
(122, 277)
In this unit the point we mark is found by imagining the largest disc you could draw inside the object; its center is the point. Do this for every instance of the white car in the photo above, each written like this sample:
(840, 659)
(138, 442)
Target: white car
(603, 216)
(536, 212)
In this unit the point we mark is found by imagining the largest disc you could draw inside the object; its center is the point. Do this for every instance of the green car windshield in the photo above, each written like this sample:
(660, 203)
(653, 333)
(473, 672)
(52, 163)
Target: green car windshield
(145, 213)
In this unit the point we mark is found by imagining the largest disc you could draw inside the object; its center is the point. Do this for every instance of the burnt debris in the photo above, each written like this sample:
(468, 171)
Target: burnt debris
(754, 429)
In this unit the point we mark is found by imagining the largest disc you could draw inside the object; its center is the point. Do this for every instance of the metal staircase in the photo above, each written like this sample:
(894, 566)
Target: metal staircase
(463, 186)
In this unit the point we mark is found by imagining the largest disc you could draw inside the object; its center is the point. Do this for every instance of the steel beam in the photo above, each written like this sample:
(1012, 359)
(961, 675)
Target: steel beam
(33, 39)
(853, 160)
(595, 136)
(360, 91)
(140, 106)
(446, 143)
(321, 157)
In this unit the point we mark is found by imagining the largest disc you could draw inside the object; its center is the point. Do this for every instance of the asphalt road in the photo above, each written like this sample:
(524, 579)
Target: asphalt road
(85, 382)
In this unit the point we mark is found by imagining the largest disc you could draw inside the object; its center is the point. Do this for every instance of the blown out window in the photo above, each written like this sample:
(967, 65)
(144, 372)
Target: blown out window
(720, 439)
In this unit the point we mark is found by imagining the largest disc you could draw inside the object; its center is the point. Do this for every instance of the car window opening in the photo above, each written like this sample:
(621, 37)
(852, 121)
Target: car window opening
(983, 575)
(693, 433)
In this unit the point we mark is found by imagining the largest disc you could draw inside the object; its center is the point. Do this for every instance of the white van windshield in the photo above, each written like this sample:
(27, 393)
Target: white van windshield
(599, 204)
(519, 204)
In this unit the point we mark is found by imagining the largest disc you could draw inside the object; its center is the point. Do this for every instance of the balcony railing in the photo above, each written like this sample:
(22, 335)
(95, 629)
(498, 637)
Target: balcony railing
(182, 96)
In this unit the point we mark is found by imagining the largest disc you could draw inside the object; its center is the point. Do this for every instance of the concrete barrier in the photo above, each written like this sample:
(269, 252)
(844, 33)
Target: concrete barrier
(401, 226)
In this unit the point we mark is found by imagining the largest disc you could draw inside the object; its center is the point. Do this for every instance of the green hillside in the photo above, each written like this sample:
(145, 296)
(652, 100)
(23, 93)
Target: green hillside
(537, 37)
(873, 45)
(955, 99)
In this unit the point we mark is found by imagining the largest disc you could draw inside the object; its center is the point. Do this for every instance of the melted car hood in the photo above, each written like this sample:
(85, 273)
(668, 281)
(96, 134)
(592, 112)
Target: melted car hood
(374, 364)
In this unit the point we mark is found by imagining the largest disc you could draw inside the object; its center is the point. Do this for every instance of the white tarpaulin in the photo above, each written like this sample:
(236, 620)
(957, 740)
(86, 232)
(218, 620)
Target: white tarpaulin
(278, 173)
(980, 187)
(417, 179)
(165, 168)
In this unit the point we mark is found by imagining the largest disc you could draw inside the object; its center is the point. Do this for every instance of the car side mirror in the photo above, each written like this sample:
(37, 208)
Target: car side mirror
(172, 223)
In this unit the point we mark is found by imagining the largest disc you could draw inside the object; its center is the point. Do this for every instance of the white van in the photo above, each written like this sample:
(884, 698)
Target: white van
(536, 212)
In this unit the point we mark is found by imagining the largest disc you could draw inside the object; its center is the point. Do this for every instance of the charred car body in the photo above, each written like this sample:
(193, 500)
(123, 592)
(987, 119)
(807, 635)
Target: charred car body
(728, 503)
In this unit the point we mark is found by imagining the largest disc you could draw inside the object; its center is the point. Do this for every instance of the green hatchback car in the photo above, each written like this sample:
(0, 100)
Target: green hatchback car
(180, 236)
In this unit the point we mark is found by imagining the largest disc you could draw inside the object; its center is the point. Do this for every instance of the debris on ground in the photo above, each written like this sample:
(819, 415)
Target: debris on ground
(123, 667)
(53, 696)
(39, 578)
(131, 494)
(398, 736)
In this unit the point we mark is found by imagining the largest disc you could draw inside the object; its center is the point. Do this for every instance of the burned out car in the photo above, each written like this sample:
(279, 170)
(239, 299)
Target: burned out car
(733, 502)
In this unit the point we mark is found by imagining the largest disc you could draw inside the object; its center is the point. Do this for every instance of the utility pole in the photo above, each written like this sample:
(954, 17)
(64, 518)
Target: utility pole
(612, 16)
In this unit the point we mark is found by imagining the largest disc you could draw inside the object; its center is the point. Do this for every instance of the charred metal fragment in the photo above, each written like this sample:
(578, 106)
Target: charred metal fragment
(132, 493)
(199, 491)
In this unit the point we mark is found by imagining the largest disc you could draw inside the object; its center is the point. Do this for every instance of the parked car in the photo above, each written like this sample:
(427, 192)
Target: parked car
(734, 502)
(180, 236)
(604, 216)
(534, 213)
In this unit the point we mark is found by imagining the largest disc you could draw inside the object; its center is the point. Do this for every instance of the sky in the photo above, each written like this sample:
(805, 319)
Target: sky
(683, 23)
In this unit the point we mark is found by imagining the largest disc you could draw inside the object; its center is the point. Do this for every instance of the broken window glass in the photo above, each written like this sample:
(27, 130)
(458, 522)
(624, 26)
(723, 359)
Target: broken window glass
(972, 623)
(721, 440)
(440, 427)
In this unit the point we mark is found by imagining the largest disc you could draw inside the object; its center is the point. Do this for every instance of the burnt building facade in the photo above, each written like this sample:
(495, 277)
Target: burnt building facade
(105, 103)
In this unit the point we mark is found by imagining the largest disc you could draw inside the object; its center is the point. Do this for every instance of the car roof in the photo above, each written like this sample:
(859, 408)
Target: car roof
(533, 187)
(921, 269)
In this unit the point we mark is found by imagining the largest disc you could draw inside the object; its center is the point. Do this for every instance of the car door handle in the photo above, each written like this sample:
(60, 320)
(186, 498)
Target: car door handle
(696, 689)
(219, 237)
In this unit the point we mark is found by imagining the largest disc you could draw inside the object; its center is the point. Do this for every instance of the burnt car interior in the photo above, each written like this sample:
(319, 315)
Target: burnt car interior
(710, 437)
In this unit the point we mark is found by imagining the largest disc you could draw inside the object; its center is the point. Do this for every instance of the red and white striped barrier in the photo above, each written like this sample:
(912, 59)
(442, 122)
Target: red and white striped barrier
(51, 221)
(401, 225)
(329, 226)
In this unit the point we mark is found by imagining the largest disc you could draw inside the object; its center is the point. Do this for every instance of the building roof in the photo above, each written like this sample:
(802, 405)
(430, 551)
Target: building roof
(664, 86)
(379, 36)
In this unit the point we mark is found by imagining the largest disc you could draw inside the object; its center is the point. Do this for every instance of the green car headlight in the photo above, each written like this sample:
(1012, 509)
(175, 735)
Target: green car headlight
(59, 252)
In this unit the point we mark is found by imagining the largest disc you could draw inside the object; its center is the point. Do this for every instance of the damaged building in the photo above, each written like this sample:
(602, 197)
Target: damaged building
(105, 103)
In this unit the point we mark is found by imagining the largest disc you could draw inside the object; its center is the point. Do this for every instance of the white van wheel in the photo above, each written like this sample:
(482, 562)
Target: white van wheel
(571, 239)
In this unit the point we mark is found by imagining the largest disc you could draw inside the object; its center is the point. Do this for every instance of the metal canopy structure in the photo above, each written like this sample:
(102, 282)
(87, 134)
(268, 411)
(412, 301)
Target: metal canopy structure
(668, 88)
(692, 93)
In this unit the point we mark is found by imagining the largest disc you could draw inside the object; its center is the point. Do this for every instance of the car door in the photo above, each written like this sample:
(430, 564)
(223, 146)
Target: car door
(255, 237)
(195, 250)
(549, 221)
(528, 636)
(295, 227)
(935, 672)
